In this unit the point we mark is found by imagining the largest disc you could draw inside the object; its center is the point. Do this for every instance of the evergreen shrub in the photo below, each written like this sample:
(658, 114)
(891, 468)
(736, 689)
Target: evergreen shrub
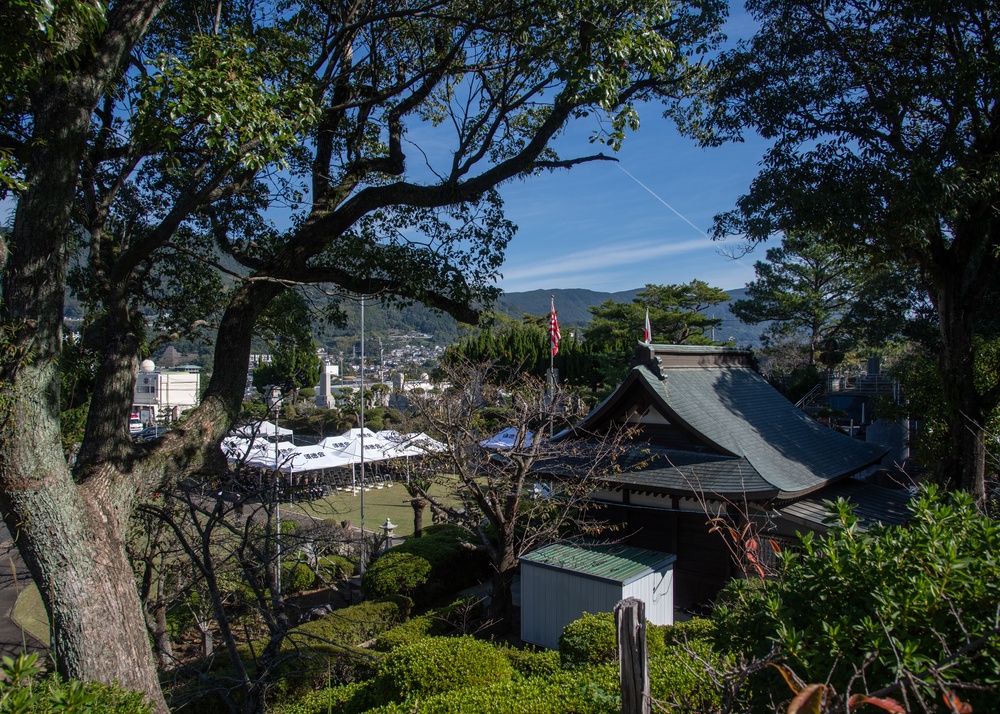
(438, 621)
(533, 663)
(296, 577)
(335, 567)
(592, 640)
(439, 664)
(352, 625)
(587, 690)
(395, 573)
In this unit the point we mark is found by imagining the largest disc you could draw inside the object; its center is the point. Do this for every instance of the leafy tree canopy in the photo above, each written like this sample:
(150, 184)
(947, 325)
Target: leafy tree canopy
(677, 314)
(883, 139)
(811, 289)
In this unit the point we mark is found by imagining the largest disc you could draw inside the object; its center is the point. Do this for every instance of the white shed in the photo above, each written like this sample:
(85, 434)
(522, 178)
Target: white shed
(562, 581)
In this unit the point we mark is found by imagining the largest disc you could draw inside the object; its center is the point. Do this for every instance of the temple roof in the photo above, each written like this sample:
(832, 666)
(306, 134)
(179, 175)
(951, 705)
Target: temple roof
(709, 422)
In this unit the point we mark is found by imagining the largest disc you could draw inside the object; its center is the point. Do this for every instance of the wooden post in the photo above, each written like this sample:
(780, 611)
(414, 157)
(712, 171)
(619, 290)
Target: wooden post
(633, 663)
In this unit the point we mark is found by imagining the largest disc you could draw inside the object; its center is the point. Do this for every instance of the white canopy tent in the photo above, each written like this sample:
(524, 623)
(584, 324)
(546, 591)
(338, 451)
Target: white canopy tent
(413, 444)
(312, 458)
(506, 439)
(260, 429)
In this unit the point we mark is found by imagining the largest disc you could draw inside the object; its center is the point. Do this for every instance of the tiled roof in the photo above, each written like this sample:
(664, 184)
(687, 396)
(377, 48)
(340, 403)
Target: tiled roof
(685, 472)
(872, 504)
(711, 395)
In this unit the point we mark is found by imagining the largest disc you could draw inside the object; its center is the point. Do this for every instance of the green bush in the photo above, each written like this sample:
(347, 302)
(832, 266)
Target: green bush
(454, 563)
(887, 600)
(343, 699)
(327, 648)
(335, 567)
(697, 629)
(352, 625)
(410, 631)
(532, 663)
(592, 640)
(296, 577)
(395, 573)
(24, 690)
(678, 677)
(439, 621)
(741, 623)
(439, 664)
(588, 690)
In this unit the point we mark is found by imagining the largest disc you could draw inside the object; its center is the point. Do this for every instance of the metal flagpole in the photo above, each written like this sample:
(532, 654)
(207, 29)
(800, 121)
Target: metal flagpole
(362, 420)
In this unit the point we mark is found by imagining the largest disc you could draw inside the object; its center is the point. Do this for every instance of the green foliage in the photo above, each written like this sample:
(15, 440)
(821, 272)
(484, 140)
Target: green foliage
(676, 315)
(589, 690)
(592, 640)
(23, 690)
(439, 664)
(681, 676)
(814, 291)
(332, 699)
(453, 563)
(918, 375)
(533, 663)
(395, 573)
(438, 621)
(296, 577)
(696, 629)
(740, 626)
(352, 625)
(232, 92)
(426, 625)
(335, 567)
(524, 347)
(891, 600)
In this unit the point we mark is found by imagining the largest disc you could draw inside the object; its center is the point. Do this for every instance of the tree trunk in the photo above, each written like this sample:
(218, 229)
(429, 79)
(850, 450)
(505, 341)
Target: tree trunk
(418, 505)
(965, 465)
(501, 600)
(75, 553)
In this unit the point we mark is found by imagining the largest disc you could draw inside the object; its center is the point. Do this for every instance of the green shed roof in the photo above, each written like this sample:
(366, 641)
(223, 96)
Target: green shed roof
(611, 562)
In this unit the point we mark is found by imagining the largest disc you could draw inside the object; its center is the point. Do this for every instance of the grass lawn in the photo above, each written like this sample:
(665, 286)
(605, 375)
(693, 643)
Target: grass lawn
(390, 502)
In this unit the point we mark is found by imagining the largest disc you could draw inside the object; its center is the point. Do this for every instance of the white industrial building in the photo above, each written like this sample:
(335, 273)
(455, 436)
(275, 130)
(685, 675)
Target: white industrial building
(161, 396)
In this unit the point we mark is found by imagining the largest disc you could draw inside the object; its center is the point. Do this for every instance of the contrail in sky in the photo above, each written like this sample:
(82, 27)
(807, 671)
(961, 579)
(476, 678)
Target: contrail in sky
(653, 194)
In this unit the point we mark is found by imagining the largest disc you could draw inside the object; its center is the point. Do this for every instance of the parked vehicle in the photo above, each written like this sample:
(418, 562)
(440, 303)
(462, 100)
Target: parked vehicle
(150, 433)
(134, 424)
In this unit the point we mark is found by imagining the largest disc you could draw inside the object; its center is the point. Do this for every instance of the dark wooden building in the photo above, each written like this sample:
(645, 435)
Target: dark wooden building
(710, 434)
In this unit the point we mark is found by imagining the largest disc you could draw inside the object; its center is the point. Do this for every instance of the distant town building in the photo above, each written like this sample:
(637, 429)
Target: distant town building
(162, 396)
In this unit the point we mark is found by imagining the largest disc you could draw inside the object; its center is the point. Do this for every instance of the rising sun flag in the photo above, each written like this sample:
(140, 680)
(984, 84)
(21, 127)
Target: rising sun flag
(554, 334)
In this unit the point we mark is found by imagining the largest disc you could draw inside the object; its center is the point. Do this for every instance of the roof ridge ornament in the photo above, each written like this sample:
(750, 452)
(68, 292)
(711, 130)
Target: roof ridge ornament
(645, 356)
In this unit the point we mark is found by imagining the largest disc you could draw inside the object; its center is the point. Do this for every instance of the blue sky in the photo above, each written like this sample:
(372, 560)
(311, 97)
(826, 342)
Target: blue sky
(616, 226)
(611, 227)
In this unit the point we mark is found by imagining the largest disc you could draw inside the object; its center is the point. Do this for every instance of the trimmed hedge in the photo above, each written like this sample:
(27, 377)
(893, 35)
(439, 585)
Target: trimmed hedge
(352, 625)
(439, 664)
(440, 621)
(296, 577)
(395, 573)
(533, 663)
(453, 563)
(697, 629)
(592, 640)
(588, 690)
(343, 699)
(335, 567)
